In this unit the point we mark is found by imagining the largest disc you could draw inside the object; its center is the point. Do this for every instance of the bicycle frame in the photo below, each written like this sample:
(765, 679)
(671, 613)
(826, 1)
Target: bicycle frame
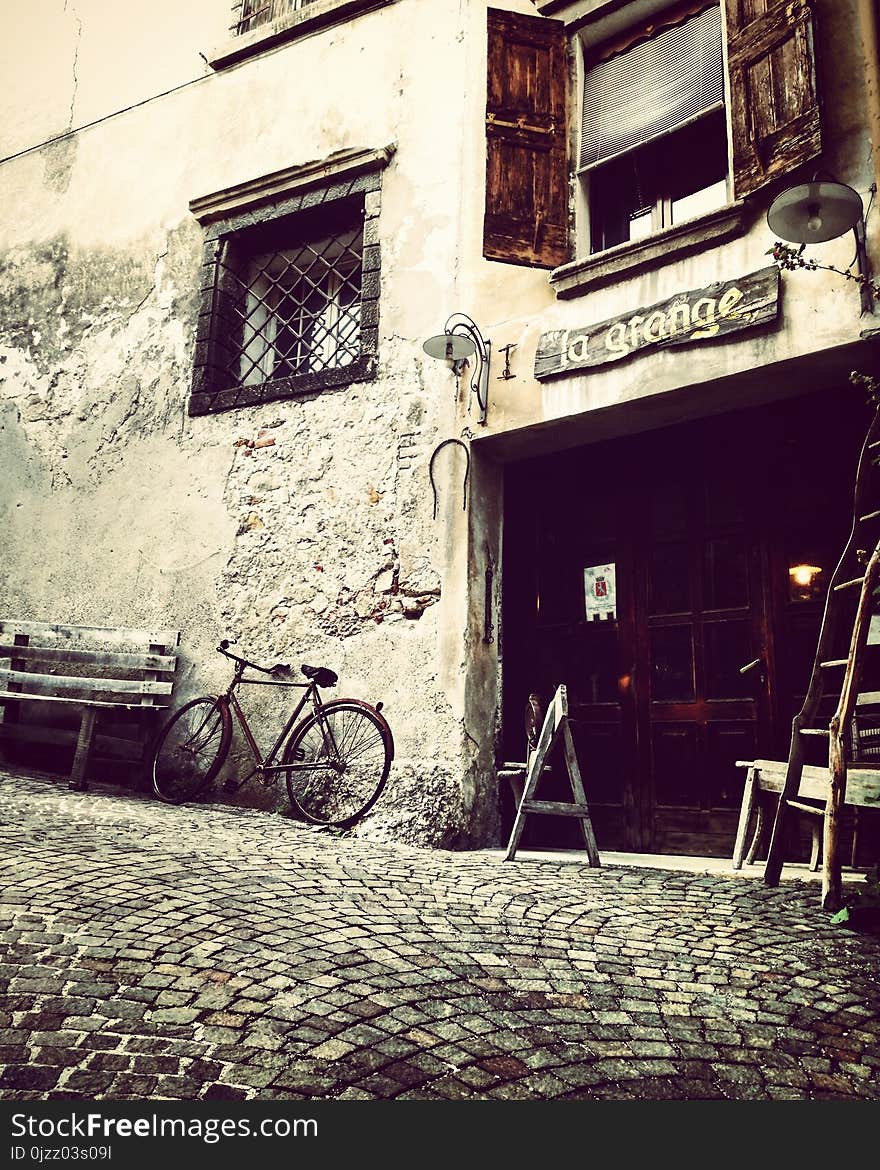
(266, 769)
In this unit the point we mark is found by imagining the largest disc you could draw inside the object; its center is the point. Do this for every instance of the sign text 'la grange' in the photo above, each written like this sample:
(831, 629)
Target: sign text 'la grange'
(726, 307)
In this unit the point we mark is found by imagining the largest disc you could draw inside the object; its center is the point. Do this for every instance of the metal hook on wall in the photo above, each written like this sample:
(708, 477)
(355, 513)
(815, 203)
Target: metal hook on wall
(467, 471)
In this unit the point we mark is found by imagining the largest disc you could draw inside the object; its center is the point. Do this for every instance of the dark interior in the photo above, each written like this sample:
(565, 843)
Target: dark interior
(702, 523)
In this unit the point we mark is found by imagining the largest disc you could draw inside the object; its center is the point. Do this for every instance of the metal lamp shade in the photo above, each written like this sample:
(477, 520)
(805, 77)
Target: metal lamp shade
(812, 213)
(449, 346)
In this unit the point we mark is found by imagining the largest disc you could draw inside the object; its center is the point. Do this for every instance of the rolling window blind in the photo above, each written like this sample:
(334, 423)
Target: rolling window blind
(652, 88)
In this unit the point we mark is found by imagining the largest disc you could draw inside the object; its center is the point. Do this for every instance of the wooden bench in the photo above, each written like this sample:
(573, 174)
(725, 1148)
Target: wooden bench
(48, 669)
(862, 790)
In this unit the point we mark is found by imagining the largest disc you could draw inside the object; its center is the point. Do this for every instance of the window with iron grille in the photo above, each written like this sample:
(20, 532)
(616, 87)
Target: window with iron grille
(296, 310)
(252, 13)
(290, 292)
(260, 24)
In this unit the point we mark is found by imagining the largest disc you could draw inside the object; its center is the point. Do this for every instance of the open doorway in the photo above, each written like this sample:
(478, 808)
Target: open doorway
(645, 573)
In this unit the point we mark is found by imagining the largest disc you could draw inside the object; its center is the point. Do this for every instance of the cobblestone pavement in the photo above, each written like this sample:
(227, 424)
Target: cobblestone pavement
(151, 952)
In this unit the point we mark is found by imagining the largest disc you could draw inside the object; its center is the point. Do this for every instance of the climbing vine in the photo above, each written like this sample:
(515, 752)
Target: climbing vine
(789, 259)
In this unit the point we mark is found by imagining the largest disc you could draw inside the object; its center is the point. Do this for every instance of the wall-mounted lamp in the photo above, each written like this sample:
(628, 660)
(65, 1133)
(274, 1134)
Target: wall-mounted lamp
(812, 213)
(818, 211)
(459, 341)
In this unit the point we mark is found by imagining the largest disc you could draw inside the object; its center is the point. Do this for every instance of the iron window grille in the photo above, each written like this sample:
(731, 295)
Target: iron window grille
(258, 25)
(295, 311)
(290, 305)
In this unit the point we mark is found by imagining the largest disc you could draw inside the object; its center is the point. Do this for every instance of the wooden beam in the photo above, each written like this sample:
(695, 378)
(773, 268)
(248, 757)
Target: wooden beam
(50, 683)
(745, 815)
(161, 662)
(74, 635)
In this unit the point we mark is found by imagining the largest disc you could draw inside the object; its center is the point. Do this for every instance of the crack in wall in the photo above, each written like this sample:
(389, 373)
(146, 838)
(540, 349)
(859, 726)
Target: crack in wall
(151, 290)
(474, 741)
(79, 28)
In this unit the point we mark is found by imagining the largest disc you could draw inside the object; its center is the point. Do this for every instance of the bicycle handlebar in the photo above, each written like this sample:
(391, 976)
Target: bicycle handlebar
(278, 668)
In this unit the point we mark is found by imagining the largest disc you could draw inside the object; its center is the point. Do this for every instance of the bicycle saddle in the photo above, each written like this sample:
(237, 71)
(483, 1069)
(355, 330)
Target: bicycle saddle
(321, 675)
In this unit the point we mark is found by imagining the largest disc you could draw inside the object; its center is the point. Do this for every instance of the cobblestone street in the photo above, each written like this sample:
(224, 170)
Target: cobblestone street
(151, 952)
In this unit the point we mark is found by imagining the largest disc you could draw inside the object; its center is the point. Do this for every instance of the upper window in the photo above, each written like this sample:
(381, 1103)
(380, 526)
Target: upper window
(252, 13)
(655, 114)
(258, 25)
(653, 149)
(290, 296)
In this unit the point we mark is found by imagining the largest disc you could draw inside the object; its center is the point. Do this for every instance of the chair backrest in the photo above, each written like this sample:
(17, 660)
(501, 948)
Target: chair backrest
(535, 713)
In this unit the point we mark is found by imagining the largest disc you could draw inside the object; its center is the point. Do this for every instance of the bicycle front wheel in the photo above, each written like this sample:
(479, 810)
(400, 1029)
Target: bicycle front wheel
(340, 758)
(190, 750)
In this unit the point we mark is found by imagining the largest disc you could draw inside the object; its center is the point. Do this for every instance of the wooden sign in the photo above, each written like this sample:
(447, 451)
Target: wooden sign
(727, 307)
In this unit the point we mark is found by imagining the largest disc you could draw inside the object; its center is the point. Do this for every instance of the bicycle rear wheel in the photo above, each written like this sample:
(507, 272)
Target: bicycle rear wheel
(343, 756)
(190, 749)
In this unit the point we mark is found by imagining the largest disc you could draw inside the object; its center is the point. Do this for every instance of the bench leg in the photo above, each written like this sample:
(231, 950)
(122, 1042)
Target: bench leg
(517, 786)
(77, 782)
(855, 839)
(760, 824)
(745, 815)
(816, 828)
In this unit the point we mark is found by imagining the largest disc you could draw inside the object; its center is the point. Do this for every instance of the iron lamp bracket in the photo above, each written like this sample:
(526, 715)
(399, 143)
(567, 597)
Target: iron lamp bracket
(460, 324)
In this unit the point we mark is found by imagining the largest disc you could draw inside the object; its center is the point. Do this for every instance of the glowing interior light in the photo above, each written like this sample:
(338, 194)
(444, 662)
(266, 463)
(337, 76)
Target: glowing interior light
(804, 575)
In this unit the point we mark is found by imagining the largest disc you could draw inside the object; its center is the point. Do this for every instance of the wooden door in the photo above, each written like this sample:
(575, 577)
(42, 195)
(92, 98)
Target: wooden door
(701, 616)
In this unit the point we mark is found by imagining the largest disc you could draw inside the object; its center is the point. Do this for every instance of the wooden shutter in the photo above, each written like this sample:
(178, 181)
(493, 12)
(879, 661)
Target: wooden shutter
(526, 218)
(774, 103)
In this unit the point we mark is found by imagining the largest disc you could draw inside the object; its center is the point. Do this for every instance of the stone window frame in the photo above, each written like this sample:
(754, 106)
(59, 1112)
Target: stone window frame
(288, 25)
(233, 214)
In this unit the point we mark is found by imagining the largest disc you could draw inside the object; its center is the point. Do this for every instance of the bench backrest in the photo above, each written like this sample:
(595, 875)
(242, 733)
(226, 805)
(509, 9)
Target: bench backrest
(101, 664)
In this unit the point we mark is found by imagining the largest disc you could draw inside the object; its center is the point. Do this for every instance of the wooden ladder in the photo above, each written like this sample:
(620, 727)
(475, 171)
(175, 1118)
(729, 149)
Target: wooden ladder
(555, 728)
(855, 571)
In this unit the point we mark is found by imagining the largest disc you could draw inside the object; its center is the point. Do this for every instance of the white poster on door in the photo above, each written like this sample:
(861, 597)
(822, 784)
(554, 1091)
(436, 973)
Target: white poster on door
(600, 592)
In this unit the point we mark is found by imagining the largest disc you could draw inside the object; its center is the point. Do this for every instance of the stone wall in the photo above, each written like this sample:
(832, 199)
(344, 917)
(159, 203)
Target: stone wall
(301, 528)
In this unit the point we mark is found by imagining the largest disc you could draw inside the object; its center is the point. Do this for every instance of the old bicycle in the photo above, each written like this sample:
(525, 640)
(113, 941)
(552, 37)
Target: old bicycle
(335, 760)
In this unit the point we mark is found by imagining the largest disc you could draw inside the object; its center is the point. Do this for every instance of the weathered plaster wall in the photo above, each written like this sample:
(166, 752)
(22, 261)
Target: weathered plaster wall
(303, 529)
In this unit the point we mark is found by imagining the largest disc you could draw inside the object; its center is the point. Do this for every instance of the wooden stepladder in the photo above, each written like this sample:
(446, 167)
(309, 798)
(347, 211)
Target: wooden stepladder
(555, 728)
(857, 575)
(842, 736)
